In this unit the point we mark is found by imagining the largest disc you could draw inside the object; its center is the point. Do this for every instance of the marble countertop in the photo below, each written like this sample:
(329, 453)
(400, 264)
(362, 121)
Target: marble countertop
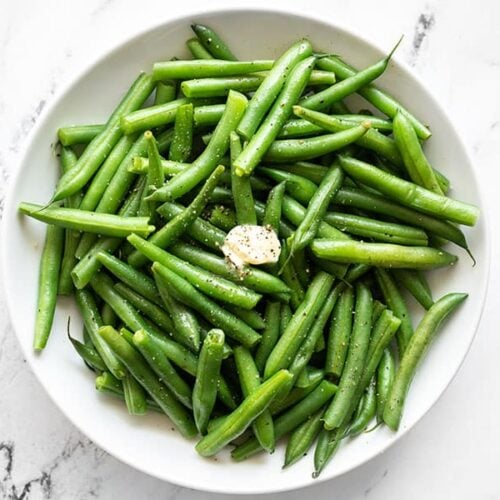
(454, 451)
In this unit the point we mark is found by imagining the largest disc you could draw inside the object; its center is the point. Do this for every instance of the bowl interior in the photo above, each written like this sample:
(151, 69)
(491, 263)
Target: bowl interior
(149, 443)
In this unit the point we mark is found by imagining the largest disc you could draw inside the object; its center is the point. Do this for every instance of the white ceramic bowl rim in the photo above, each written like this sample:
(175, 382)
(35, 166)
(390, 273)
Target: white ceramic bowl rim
(213, 13)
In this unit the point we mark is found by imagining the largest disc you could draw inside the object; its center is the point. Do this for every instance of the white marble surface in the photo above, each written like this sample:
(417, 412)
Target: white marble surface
(454, 452)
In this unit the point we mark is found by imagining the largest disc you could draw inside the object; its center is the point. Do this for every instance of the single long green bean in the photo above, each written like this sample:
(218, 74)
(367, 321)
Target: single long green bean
(386, 232)
(73, 218)
(414, 353)
(48, 281)
(287, 150)
(382, 254)
(417, 165)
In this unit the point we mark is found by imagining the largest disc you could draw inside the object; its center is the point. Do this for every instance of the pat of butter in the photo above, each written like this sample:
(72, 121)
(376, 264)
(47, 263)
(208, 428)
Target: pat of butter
(249, 244)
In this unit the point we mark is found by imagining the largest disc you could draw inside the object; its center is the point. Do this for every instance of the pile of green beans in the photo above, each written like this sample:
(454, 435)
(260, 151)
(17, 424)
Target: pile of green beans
(311, 348)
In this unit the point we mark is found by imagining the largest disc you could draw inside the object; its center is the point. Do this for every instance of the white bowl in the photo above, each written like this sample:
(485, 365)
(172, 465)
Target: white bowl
(149, 443)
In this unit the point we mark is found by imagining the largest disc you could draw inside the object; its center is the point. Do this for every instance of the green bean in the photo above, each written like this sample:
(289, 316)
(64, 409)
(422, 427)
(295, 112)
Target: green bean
(182, 142)
(328, 443)
(96, 152)
(151, 117)
(68, 260)
(302, 268)
(212, 42)
(350, 378)
(135, 397)
(185, 321)
(289, 276)
(287, 150)
(138, 281)
(386, 232)
(367, 409)
(413, 354)
(380, 99)
(176, 226)
(138, 367)
(261, 138)
(212, 312)
(93, 321)
(251, 317)
(89, 355)
(376, 122)
(297, 128)
(382, 254)
(363, 200)
(307, 170)
(241, 187)
(411, 281)
(48, 280)
(270, 334)
(94, 194)
(339, 333)
(73, 218)
(309, 226)
(161, 365)
(303, 437)
(250, 381)
(155, 176)
(239, 420)
(373, 140)
(386, 372)
(347, 86)
(397, 304)
(378, 308)
(197, 50)
(205, 164)
(206, 281)
(291, 419)
(253, 278)
(309, 376)
(409, 194)
(165, 92)
(306, 350)
(200, 230)
(208, 115)
(108, 315)
(417, 166)
(205, 386)
(296, 331)
(297, 187)
(218, 87)
(78, 134)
